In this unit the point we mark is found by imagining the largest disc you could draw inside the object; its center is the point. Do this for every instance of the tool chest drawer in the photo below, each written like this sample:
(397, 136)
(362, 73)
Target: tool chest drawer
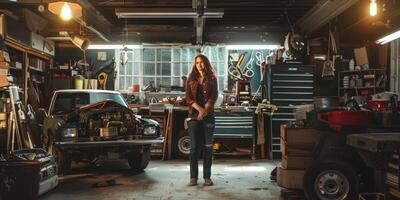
(288, 85)
(234, 125)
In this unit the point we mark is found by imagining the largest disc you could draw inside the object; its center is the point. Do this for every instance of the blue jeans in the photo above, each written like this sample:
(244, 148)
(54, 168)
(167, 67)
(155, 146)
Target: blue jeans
(199, 131)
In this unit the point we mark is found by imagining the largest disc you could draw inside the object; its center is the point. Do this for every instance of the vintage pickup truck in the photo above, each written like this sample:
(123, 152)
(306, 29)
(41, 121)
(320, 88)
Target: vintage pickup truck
(93, 125)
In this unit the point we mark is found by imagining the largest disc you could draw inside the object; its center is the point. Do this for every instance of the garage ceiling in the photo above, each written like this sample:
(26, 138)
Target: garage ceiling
(250, 21)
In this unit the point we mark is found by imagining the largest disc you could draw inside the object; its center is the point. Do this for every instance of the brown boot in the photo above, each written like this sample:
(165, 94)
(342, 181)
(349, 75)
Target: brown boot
(208, 182)
(192, 182)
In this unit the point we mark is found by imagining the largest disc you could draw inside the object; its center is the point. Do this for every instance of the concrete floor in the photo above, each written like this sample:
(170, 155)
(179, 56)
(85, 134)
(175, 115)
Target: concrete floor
(233, 178)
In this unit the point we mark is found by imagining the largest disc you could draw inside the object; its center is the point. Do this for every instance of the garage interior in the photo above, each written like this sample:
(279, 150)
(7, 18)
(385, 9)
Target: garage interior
(93, 101)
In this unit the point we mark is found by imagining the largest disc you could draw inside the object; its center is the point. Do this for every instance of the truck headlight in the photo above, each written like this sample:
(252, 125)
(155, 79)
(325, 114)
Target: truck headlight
(149, 130)
(69, 132)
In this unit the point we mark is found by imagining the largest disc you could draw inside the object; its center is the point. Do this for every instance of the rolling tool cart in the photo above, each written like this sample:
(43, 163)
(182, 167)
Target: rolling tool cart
(288, 85)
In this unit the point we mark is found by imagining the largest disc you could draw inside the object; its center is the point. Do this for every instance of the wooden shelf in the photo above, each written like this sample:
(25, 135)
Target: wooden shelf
(361, 88)
(361, 71)
(36, 69)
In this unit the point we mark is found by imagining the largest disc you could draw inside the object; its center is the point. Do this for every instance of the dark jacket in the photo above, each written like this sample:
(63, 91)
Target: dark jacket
(210, 88)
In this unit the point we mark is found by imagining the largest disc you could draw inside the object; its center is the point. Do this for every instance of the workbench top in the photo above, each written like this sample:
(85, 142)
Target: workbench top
(375, 142)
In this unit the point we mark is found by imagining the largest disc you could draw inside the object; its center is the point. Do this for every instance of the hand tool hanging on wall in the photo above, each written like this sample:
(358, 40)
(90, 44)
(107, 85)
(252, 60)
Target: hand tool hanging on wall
(102, 78)
(235, 71)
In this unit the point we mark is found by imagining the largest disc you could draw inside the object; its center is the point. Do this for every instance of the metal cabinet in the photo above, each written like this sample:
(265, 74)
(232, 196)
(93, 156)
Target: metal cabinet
(289, 85)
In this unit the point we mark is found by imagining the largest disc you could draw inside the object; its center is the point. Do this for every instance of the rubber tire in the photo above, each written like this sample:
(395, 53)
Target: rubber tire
(332, 164)
(63, 161)
(183, 137)
(139, 161)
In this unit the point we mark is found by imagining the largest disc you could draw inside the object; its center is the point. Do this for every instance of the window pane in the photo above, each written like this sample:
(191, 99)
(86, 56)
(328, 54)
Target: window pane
(149, 69)
(220, 83)
(221, 54)
(164, 81)
(129, 69)
(177, 54)
(185, 68)
(176, 69)
(221, 68)
(149, 54)
(166, 69)
(136, 55)
(135, 80)
(128, 82)
(213, 53)
(135, 69)
(158, 69)
(176, 81)
(184, 56)
(166, 55)
(121, 82)
(192, 54)
(130, 56)
(147, 80)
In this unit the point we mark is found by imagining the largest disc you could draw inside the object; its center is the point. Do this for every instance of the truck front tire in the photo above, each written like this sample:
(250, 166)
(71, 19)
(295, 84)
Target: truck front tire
(139, 161)
(331, 179)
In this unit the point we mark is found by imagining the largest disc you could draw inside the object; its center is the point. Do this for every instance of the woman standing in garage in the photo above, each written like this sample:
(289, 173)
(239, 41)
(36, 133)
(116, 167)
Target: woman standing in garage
(201, 94)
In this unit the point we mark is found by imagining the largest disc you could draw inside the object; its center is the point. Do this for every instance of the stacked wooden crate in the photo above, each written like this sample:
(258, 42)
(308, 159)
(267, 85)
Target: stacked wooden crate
(297, 145)
(393, 177)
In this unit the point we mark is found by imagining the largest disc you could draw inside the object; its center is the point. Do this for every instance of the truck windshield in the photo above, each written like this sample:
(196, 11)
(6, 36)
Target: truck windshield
(67, 102)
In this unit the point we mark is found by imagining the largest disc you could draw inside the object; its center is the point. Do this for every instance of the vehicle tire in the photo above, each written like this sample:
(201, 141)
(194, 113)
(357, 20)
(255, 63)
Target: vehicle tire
(331, 180)
(63, 161)
(183, 145)
(139, 161)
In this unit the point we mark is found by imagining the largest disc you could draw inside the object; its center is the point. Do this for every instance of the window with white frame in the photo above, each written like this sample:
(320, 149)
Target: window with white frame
(166, 65)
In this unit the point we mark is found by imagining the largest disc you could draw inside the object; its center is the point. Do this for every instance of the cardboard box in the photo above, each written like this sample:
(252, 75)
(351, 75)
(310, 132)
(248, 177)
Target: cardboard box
(290, 179)
(361, 56)
(16, 64)
(296, 162)
(4, 57)
(4, 65)
(300, 136)
(289, 150)
(3, 81)
(3, 72)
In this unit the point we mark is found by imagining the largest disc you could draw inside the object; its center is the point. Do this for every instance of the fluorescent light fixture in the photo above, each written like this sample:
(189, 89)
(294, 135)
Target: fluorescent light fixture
(113, 46)
(166, 13)
(241, 47)
(373, 8)
(389, 38)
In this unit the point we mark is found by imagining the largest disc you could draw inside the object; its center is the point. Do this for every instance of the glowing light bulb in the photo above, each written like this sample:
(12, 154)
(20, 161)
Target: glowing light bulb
(373, 8)
(66, 13)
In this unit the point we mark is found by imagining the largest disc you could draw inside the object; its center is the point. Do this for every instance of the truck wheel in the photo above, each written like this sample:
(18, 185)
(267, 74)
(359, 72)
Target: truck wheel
(63, 161)
(183, 145)
(331, 180)
(139, 161)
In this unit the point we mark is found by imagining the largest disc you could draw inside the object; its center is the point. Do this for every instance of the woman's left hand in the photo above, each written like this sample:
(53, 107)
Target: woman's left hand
(202, 114)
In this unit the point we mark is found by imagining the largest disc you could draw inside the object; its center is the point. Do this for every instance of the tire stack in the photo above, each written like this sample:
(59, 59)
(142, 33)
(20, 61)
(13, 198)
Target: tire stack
(297, 146)
(393, 177)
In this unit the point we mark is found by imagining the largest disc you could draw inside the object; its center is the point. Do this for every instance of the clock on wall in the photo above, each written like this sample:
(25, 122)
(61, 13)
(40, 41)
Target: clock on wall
(101, 56)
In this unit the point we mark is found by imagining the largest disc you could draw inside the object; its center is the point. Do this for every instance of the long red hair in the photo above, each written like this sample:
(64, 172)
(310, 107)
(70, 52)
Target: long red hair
(209, 71)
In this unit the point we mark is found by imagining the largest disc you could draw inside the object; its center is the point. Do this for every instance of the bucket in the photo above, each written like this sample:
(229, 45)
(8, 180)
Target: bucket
(90, 84)
(19, 180)
(78, 84)
(135, 87)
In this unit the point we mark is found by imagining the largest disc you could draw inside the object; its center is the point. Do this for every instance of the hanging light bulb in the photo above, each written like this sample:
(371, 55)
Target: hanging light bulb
(373, 8)
(66, 13)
